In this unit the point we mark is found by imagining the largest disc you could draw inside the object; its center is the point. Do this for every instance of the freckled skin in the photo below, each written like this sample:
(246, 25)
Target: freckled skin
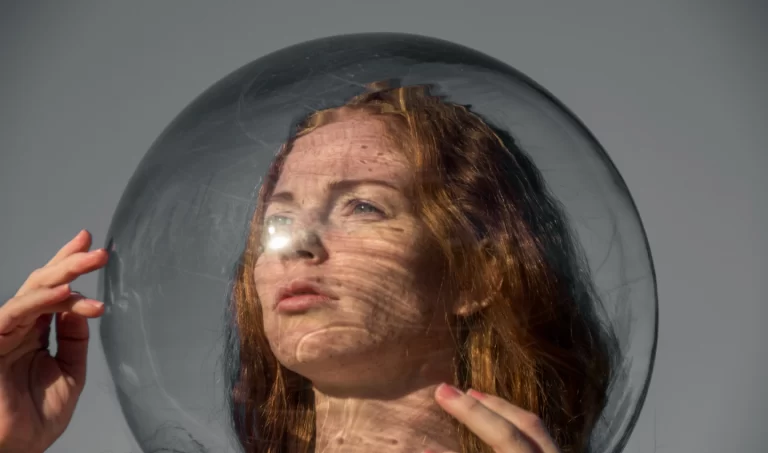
(374, 353)
(374, 260)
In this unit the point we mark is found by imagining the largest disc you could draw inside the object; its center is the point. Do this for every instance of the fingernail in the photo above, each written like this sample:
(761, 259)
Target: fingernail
(448, 391)
(94, 303)
(475, 394)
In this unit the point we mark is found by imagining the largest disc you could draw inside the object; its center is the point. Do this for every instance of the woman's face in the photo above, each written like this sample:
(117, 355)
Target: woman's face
(353, 293)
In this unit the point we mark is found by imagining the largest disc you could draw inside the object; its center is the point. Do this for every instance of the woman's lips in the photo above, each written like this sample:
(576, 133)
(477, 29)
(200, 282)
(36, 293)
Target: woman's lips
(302, 295)
(301, 303)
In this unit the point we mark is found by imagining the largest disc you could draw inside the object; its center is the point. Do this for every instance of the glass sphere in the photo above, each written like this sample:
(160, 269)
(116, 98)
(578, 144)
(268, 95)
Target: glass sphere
(181, 225)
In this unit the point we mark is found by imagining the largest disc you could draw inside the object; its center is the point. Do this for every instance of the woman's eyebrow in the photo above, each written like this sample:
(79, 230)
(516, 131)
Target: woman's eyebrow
(285, 197)
(335, 186)
(343, 185)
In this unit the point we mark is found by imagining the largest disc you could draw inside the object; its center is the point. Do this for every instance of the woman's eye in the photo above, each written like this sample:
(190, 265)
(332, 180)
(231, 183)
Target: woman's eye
(277, 221)
(361, 207)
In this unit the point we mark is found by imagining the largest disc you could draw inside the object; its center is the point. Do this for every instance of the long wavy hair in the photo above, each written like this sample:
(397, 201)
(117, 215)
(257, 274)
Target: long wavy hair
(538, 341)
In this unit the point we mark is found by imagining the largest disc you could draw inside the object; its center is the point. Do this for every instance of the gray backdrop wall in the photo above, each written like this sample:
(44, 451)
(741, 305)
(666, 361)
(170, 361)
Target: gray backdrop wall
(675, 90)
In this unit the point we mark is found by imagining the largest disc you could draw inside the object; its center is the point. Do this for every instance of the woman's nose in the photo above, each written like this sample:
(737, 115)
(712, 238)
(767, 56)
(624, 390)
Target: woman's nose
(305, 244)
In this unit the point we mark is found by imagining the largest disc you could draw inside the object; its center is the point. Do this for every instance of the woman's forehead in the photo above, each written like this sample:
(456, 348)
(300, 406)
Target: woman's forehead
(351, 148)
(347, 134)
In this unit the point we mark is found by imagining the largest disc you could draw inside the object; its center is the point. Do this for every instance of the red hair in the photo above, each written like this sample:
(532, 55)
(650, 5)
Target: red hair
(502, 239)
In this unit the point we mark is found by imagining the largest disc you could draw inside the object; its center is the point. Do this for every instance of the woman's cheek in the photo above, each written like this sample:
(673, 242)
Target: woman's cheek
(374, 244)
(267, 277)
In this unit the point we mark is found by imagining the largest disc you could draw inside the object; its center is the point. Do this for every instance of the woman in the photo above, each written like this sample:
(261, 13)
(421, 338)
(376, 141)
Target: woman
(401, 250)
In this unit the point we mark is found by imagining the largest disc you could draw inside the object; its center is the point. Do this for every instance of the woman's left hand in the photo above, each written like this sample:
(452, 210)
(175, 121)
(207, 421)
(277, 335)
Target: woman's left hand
(503, 426)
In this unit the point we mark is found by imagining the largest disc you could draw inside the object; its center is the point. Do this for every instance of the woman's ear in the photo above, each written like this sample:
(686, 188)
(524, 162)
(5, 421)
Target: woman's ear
(483, 290)
(465, 308)
(472, 300)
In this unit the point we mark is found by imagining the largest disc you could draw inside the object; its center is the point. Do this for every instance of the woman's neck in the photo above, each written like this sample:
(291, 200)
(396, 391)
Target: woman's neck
(393, 412)
(409, 423)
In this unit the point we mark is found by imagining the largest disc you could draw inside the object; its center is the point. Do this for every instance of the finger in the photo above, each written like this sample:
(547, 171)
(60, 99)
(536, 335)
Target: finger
(72, 336)
(20, 311)
(43, 325)
(490, 427)
(80, 243)
(527, 422)
(65, 270)
(79, 304)
(18, 338)
(35, 339)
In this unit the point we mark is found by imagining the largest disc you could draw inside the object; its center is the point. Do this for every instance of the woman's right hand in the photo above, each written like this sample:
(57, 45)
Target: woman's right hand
(38, 392)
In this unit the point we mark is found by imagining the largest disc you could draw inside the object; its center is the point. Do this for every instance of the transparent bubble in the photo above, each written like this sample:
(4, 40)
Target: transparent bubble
(182, 224)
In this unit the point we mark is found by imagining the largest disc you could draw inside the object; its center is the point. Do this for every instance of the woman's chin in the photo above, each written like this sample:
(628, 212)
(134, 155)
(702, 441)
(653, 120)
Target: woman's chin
(322, 350)
(351, 362)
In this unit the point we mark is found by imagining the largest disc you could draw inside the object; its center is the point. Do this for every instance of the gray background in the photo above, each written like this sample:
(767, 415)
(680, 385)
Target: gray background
(673, 89)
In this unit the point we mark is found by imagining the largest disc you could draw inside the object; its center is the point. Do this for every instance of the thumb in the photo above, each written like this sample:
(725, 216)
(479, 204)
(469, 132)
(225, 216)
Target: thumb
(72, 351)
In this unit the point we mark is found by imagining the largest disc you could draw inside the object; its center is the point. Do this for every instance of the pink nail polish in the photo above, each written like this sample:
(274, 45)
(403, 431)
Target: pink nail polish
(448, 391)
(475, 394)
